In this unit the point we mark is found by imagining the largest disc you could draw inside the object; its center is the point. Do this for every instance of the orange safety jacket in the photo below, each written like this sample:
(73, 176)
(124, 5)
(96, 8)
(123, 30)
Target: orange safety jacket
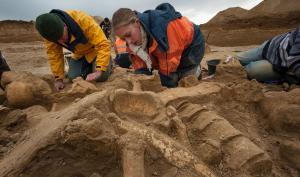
(174, 44)
(180, 34)
(120, 46)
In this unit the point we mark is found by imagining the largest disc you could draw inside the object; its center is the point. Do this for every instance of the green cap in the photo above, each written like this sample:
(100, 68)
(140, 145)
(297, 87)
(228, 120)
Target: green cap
(50, 26)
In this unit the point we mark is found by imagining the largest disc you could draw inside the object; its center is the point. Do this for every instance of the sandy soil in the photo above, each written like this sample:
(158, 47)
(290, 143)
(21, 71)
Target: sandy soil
(131, 126)
(237, 26)
(18, 31)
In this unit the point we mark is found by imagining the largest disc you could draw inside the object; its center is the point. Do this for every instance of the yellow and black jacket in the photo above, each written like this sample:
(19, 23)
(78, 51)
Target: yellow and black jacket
(86, 39)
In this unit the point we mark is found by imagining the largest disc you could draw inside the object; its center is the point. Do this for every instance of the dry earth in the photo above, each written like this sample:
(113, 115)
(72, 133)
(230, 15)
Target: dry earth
(131, 126)
(237, 26)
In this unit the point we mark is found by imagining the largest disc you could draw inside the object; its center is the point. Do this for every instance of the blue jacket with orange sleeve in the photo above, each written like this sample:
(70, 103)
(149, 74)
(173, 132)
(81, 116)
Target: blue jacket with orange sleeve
(176, 43)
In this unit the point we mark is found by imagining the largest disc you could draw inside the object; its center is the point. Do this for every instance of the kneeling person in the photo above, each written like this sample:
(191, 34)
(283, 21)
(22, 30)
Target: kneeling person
(79, 33)
(161, 39)
(276, 60)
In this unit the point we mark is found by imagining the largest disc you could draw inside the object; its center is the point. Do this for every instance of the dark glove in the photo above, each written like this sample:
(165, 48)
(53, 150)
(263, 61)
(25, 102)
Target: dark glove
(169, 81)
(123, 60)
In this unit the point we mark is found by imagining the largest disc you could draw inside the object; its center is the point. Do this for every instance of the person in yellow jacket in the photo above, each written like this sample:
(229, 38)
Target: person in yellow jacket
(79, 33)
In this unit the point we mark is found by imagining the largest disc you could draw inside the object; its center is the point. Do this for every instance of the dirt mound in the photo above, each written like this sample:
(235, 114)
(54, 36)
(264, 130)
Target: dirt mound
(204, 129)
(18, 31)
(268, 14)
(24, 89)
(276, 6)
(237, 25)
(227, 15)
(22, 31)
(131, 126)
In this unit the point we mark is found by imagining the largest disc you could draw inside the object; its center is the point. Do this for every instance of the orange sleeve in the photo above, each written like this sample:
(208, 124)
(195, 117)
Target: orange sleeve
(137, 63)
(180, 35)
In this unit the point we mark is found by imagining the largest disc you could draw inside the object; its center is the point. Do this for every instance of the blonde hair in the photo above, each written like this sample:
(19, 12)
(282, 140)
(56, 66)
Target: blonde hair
(123, 16)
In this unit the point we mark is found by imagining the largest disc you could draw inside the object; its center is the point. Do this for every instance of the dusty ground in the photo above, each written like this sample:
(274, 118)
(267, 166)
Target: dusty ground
(131, 126)
(236, 26)
(18, 31)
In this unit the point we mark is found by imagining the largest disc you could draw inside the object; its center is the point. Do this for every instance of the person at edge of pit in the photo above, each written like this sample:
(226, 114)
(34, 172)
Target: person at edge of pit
(79, 33)
(275, 61)
(161, 39)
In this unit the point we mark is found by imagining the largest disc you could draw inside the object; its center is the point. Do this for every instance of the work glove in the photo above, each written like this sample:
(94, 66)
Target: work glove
(59, 84)
(94, 76)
